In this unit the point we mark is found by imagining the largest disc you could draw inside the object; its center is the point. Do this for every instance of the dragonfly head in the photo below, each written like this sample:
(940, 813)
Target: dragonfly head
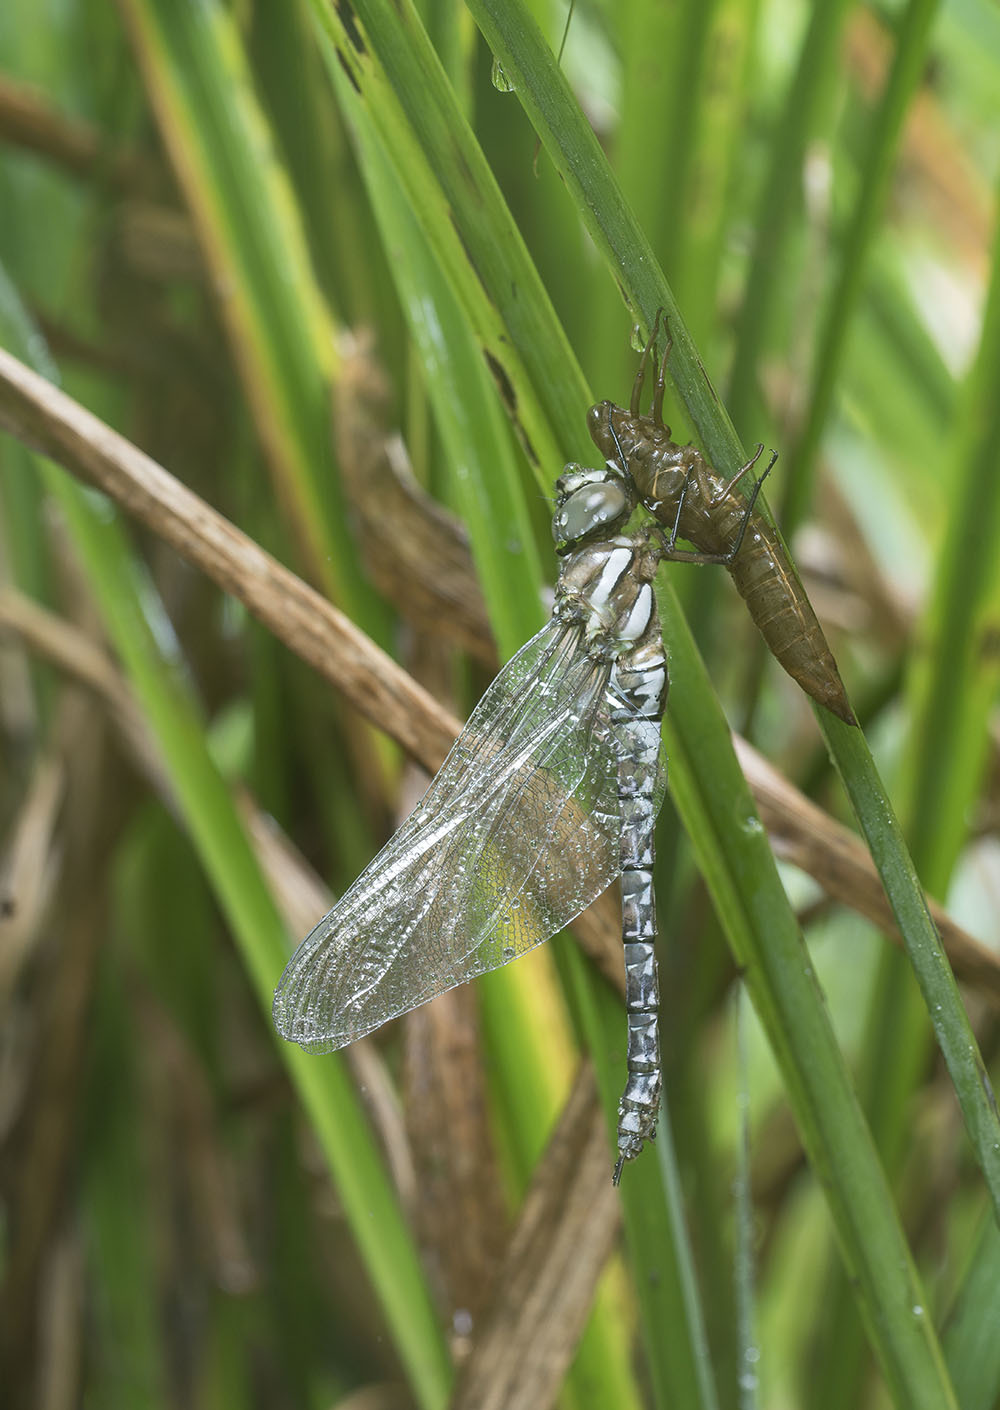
(590, 504)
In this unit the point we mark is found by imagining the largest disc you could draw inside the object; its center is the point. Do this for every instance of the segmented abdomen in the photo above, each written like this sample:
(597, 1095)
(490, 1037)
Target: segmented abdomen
(787, 622)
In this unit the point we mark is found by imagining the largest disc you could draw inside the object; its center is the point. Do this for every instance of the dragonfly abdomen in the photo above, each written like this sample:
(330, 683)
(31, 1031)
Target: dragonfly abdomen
(639, 1107)
(640, 682)
(606, 585)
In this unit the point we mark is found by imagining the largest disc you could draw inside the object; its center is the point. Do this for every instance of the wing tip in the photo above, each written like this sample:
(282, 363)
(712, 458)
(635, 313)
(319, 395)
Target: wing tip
(297, 1026)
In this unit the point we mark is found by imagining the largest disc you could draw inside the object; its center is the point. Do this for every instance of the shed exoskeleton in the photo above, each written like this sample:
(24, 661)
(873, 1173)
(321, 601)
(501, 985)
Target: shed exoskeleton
(692, 501)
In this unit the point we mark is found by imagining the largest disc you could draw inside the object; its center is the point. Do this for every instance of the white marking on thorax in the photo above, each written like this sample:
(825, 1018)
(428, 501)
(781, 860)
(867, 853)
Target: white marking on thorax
(638, 619)
(618, 563)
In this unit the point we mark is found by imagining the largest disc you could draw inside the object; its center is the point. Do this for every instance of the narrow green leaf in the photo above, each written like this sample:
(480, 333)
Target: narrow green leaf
(971, 1344)
(912, 36)
(483, 471)
(806, 108)
(454, 196)
(957, 674)
(251, 234)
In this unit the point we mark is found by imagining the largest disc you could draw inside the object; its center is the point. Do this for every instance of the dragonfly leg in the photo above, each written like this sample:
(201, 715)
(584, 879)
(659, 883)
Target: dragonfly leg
(669, 542)
(752, 500)
(681, 500)
(656, 411)
(723, 492)
(640, 375)
(618, 445)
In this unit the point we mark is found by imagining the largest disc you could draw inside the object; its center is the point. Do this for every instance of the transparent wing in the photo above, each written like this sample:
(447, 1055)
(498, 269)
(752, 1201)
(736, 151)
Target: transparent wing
(517, 833)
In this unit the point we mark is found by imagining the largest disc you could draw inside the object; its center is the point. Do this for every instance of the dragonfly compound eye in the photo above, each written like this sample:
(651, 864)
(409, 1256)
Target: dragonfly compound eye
(599, 506)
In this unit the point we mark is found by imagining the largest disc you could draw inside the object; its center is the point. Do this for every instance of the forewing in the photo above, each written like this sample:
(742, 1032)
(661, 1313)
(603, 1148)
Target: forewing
(517, 833)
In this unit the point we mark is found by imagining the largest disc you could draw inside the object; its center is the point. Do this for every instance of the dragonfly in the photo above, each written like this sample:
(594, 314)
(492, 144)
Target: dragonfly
(684, 493)
(549, 793)
(552, 789)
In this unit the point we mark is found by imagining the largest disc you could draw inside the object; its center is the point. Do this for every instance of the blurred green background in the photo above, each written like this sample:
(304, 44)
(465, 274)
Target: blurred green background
(288, 249)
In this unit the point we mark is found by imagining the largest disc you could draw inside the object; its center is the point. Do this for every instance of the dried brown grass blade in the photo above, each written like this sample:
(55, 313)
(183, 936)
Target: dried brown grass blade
(564, 1236)
(28, 120)
(27, 869)
(46, 419)
(447, 1117)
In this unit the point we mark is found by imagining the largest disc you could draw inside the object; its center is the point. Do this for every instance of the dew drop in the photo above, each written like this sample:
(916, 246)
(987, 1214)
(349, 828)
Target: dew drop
(499, 79)
(637, 342)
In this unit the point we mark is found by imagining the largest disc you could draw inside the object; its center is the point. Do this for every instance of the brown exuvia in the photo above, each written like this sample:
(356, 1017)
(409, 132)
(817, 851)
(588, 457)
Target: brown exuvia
(693, 502)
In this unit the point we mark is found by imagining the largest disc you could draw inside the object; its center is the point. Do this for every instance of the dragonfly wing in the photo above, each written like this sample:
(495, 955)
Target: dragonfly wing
(517, 833)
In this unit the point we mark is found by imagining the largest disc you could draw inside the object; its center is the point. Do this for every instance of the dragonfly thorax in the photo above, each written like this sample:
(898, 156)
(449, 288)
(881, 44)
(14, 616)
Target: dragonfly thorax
(607, 586)
(657, 469)
(626, 436)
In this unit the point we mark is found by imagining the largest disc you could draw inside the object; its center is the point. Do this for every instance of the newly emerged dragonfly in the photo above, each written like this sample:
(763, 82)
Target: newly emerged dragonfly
(552, 789)
(686, 495)
(549, 793)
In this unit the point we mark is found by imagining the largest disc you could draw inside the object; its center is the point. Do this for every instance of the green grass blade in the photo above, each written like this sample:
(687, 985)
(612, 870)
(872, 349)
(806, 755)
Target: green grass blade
(517, 1007)
(251, 234)
(323, 1085)
(455, 198)
(484, 476)
(971, 1345)
(953, 688)
(952, 699)
(655, 1230)
(805, 110)
(956, 676)
(913, 34)
(734, 857)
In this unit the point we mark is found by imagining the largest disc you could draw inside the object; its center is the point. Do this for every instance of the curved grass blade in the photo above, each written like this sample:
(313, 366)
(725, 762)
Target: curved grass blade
(126, 598)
